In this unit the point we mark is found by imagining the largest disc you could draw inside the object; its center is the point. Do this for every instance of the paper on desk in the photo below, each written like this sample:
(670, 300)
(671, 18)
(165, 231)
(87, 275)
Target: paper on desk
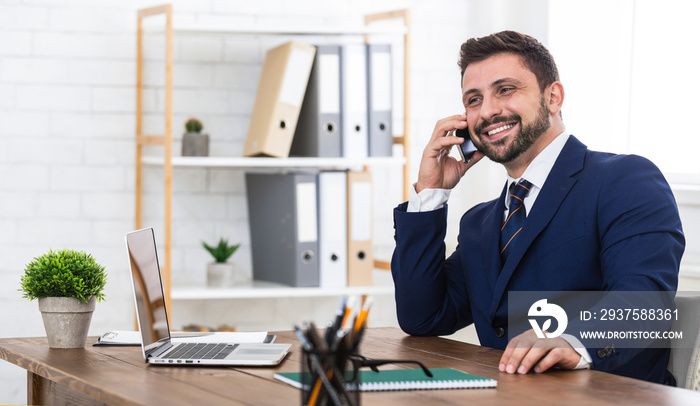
(122, 337)
(119, 337)
(225, 337)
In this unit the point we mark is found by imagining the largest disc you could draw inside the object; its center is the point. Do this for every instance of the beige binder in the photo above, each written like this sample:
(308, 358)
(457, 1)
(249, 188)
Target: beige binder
(360, 259)
(281, 91)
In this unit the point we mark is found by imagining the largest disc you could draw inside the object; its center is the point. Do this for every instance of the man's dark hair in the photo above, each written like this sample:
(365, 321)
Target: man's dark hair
(533, 54)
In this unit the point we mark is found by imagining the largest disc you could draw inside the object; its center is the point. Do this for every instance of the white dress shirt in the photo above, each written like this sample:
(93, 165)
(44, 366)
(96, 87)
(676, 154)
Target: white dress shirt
(536, 173)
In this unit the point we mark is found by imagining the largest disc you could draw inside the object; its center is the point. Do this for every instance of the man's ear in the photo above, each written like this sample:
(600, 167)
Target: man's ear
(554, 97)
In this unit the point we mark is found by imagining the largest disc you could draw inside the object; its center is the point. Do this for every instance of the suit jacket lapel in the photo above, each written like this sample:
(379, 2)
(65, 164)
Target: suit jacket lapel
(557, 186)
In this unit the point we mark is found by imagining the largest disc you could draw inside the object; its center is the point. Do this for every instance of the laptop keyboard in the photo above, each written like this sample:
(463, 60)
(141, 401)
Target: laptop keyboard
(200, 351)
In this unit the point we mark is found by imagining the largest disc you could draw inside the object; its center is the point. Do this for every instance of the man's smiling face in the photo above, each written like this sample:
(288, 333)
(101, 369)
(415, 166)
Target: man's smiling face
(506, 111)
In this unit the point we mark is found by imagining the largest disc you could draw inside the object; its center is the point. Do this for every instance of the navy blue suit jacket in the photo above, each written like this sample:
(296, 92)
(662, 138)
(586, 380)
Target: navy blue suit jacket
(602, 222)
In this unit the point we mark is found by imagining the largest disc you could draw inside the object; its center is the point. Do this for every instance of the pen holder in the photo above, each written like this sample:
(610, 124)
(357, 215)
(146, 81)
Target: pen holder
(329, 378)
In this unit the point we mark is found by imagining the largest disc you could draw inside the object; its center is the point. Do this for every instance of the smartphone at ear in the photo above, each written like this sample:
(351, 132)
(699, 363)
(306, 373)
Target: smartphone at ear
(467, 148)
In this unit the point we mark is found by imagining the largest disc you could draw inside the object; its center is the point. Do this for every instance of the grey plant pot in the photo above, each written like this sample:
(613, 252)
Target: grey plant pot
(66, 320)
(195, 144)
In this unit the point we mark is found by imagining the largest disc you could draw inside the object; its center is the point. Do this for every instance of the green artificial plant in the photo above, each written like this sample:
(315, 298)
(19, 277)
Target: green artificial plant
(221, 252)
(64, 273)
(193, 125)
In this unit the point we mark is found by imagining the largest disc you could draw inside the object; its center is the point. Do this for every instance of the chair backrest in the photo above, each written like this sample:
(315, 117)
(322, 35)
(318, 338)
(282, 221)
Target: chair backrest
(685, 357)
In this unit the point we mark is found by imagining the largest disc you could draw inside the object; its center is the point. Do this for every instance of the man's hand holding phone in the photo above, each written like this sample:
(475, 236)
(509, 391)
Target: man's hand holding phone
(439, 170)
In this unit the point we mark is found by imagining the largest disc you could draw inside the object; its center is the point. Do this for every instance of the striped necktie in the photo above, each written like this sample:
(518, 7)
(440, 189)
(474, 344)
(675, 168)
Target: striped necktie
(516, 217)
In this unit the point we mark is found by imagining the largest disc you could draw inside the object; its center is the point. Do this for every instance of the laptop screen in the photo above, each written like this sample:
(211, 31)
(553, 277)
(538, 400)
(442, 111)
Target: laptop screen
(148, 288)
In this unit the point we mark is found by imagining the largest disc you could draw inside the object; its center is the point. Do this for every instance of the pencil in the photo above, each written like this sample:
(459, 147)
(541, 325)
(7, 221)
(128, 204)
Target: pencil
(348, 311)
(362, 317)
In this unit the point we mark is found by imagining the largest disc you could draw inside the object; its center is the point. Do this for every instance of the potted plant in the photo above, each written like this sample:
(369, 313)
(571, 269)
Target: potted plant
(220, 268)
(194, 143)
(67, 284)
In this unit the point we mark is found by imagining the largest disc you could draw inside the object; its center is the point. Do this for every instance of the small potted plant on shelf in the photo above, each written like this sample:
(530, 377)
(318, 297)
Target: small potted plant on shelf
(67, 284)
(194, 143)
(218, 270)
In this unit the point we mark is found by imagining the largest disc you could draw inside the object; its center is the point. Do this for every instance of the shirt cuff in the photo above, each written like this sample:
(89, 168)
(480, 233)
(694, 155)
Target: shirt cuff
(427, 199)
(586, 360)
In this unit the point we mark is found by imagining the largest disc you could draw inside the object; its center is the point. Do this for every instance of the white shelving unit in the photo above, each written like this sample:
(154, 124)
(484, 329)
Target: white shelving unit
(168, 161)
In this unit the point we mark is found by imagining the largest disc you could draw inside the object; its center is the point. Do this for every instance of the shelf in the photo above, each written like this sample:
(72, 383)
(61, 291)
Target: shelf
(275, 163)
(289, 30)
(261, 290)
(690, 271)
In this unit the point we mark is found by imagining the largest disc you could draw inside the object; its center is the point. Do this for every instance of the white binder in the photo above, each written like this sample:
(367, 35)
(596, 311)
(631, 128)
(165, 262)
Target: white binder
(379, 79)
(332, 224)
(353, 105)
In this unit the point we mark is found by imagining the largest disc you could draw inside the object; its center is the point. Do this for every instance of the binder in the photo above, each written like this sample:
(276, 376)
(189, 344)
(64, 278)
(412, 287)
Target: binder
(353, 100)
(379, 87)
(283, 81)
(332, 225)
(283, 217)
(360, 259)
(318, 131)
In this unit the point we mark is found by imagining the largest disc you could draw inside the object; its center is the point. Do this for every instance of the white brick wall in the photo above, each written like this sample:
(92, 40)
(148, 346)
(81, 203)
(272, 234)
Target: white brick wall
(67, 103)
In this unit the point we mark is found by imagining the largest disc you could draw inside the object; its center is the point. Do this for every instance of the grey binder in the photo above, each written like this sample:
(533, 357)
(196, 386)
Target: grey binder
(282, 211)
(379, 80)
(318, 129)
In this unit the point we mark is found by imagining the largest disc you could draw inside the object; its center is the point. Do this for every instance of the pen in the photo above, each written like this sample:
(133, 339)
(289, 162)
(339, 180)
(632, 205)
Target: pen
(302, 338)
(315, 339)
(337, 322)
(338, 341)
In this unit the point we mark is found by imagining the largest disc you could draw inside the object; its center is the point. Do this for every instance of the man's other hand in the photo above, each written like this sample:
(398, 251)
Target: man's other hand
(527, 352)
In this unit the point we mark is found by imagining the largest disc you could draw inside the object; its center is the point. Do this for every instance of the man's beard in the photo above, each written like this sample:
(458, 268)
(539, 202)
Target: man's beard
(522, 141)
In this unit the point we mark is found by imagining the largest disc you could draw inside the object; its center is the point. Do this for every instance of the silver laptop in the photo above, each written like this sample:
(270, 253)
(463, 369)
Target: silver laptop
(153, 319)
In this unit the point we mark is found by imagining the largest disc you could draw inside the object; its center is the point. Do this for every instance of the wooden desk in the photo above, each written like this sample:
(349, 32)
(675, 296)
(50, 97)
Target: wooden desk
(118, 375)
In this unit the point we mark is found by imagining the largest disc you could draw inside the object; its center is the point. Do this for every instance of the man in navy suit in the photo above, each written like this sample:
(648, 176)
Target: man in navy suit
(592, 221)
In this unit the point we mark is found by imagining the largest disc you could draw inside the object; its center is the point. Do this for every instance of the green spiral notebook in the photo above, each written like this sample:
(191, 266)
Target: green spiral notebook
(406, 379)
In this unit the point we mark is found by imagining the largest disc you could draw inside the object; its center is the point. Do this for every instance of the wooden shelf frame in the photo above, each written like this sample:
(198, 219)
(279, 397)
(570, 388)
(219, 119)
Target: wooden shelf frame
(165, 140)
